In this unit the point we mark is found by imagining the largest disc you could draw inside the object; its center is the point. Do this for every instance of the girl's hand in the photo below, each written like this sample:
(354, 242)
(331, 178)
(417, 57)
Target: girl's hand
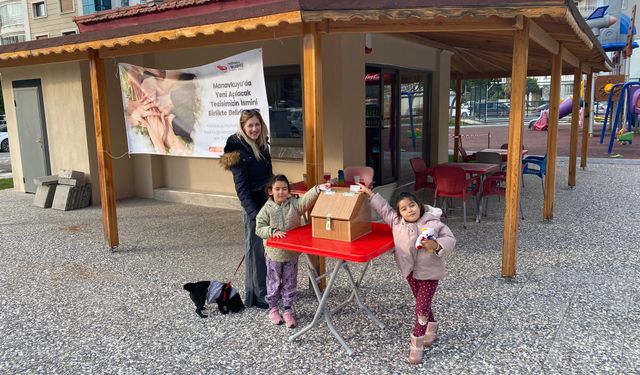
(325, 186)
(365, 189)
(279, 234)
(430, 245)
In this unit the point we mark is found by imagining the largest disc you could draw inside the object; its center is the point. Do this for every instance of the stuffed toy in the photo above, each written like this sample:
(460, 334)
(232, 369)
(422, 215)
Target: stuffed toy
(427, 234)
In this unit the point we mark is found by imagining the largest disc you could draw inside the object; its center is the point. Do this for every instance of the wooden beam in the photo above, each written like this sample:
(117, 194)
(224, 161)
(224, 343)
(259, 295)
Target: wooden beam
(161, 37)
(542, 38)
(313, 116)
(103, 146)
(552, 135)
(514, 158)
(456, 139)
(415, 25)
(45, 59)
(198, 41)
(570, 58)
(575, 119)
(585, 121)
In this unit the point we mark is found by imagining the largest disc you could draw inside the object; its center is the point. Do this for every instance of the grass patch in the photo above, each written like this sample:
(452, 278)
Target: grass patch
(6, 183)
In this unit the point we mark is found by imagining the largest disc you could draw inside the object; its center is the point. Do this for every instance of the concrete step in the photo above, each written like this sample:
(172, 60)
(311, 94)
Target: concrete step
(197, 198)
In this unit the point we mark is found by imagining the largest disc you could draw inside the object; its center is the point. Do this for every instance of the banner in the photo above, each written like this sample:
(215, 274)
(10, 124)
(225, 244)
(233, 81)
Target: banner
(190, 112)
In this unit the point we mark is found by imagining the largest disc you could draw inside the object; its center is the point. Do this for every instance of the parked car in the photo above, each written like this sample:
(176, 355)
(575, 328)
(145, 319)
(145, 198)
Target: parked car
(464, 112)
(537, 110)
(4, 138)
(492, 109)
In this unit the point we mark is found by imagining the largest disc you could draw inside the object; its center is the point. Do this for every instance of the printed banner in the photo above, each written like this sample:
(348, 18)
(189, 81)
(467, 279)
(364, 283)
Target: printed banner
(190, 112)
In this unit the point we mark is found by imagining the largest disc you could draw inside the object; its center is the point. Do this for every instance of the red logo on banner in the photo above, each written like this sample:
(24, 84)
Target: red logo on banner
(222, 68)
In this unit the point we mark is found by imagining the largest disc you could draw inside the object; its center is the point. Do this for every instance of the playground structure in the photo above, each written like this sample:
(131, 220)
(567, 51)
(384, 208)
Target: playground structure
(615, 31)
(629, 99)
(566, 106)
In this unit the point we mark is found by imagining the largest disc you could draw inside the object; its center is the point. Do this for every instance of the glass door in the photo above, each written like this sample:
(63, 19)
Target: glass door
(381, 119)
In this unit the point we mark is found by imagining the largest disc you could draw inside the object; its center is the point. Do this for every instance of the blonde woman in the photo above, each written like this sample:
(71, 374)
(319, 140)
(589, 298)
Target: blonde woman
(247, 156)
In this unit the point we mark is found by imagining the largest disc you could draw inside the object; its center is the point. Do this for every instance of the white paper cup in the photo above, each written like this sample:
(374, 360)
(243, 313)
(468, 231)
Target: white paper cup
(356, 179)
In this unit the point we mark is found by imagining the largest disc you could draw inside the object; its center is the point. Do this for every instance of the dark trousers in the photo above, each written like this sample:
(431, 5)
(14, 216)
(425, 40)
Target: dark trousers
(423, 291)
(255, 282)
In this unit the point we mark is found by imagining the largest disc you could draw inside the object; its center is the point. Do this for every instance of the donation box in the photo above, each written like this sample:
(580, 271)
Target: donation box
(341, 215)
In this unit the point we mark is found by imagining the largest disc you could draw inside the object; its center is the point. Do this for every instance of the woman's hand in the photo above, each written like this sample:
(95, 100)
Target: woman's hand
(365, 189)
(279, 234)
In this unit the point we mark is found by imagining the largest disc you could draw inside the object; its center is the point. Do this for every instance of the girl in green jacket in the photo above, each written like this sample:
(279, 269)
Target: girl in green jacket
(281, 213)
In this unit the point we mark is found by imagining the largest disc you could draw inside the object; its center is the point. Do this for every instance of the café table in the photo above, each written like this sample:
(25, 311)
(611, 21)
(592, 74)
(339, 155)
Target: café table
(361, 250)
(475, 169)
(502, 152)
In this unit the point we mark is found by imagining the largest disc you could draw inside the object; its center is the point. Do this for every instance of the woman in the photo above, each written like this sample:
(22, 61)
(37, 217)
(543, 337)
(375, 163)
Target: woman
(246, 154)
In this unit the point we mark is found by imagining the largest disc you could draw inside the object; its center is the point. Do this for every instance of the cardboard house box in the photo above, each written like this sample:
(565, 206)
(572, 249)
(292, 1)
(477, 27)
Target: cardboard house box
(341, 215)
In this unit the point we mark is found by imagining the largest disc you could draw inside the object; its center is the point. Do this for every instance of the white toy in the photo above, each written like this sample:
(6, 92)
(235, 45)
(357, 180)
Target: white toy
(427, 234)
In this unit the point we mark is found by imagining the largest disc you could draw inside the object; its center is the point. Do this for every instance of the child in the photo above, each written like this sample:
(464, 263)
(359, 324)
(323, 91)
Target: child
(422, 268)
(281, 213)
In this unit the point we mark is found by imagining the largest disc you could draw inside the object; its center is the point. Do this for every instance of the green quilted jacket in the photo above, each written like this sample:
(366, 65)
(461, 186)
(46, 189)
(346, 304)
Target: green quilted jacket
(283, 217)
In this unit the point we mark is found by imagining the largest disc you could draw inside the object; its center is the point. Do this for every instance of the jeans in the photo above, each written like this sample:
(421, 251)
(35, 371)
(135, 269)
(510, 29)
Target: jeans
(255, 282)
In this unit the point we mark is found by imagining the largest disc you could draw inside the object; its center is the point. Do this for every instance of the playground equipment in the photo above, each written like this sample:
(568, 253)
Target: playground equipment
(629, 94)
(542, 122)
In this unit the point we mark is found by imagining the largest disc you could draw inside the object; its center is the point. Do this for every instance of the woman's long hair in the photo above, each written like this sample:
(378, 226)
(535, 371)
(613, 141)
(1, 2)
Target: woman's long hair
(261, 143)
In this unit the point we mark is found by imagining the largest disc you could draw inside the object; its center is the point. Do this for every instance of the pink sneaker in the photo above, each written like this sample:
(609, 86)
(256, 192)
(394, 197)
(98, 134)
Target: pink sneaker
(290, 318)
(274, 316)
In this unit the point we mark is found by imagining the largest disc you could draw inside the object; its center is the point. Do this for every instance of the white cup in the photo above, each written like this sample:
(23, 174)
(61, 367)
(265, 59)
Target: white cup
(356, 179)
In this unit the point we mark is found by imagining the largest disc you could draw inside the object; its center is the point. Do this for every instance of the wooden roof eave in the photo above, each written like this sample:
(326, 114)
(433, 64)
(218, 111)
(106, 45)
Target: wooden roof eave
(281, 25)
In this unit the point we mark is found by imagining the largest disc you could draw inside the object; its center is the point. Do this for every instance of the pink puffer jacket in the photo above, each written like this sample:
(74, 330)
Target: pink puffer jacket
(424, 264)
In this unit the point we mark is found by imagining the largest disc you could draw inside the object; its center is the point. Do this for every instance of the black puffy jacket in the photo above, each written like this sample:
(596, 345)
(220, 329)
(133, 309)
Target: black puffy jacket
(250, 175)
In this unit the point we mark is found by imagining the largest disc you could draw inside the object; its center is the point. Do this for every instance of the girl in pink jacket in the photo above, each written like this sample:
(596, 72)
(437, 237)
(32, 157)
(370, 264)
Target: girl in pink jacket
(421, 267)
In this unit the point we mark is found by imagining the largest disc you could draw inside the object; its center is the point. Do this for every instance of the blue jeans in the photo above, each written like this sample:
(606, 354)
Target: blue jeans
(255, 282)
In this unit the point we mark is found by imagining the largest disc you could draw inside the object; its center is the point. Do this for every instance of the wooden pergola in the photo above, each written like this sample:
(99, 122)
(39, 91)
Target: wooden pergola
(492, 39)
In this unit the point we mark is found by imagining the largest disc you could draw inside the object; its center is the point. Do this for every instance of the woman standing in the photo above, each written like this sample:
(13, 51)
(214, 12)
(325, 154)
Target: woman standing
(246, 154)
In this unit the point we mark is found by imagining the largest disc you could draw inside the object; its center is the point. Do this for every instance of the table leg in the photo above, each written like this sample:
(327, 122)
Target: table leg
(321, 311)
(355, 294)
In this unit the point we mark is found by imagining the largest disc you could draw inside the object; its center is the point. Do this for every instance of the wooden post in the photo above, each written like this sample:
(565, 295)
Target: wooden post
(575, 119)
(313, 116)
(103, 145)
(456, 139)
(586, 119)
(514, 153)
(552, 135)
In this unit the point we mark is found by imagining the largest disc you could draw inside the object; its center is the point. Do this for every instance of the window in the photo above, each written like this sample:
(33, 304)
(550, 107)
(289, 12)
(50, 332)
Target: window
(284, 94)
(11, 14)
(66, 6)
(92, 6)
(41, 36)
(69, 32)
(39, 9)
(12, 39)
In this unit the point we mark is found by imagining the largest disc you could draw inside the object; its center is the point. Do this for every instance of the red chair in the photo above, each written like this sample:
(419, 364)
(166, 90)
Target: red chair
(365, 173)
(466, 157)
(452, 182)
(494, 185)
(423, 175)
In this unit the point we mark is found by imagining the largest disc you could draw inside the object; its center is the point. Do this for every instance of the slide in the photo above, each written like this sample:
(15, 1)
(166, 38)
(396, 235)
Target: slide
(542, 123)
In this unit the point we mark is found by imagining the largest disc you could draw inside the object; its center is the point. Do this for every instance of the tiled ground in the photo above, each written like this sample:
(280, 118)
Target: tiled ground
(71, 306)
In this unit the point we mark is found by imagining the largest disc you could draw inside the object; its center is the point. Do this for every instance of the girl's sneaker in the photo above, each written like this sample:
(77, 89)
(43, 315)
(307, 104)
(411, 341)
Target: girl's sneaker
(274, 316)
(290, 318)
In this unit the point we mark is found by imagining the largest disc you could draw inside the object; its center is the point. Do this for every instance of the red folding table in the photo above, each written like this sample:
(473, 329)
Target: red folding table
(362, 250)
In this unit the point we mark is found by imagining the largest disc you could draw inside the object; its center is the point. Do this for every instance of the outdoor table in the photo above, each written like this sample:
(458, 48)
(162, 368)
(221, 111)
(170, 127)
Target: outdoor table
(361, 250)
(480, 169)
(502, 152)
